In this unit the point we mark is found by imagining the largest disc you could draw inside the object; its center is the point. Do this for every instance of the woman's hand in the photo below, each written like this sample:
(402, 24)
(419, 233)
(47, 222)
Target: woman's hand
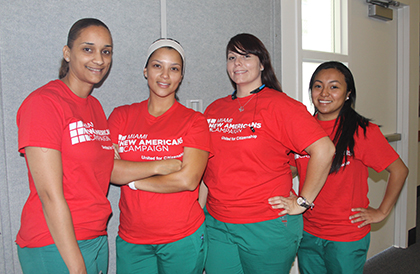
(367, 216)
(288, 204)
(194, 163)
(127, 171)
(116, 154)
(397, 174)
(165, 167)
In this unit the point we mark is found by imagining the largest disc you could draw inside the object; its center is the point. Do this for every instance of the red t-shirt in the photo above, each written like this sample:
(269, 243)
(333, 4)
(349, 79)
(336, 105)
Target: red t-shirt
(148, 217)
(250, 167)
(348, 188)
(54, 117)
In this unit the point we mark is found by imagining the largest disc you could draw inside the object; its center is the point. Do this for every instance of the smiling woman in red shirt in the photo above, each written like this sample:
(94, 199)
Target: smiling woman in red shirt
(336, 232)
(64, 135)
(161, 222)
(252, 132)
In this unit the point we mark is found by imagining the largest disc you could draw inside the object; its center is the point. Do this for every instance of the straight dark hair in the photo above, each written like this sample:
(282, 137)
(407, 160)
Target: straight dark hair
(74, 33)
(245, 43)
(348, 120)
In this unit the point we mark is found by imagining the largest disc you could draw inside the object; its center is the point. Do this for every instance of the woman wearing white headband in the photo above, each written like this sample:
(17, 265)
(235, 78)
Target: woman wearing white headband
(161, 223)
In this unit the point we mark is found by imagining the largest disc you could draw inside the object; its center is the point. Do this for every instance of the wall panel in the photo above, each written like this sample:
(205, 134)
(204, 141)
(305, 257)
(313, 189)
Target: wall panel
(204, 29)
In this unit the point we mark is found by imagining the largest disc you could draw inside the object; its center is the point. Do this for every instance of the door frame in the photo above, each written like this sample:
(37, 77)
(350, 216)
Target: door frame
(403, 100)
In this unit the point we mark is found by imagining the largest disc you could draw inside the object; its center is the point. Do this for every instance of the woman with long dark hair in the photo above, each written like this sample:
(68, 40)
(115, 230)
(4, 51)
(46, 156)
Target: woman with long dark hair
(252, 132)
(336, 232)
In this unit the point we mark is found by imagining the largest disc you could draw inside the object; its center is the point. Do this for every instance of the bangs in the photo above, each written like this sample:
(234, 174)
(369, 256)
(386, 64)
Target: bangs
(243, 47)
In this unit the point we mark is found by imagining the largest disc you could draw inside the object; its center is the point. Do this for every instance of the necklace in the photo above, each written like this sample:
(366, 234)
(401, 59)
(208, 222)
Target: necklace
(255, 91)
(242, 107)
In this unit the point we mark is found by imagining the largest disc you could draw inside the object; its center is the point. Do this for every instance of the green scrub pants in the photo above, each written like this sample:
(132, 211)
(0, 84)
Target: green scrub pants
(185, 256)
(316, 255)
(262, 247)
(48, 260)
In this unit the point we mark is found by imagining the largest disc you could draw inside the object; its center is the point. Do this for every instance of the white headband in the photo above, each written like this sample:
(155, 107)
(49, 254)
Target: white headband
(166, 42)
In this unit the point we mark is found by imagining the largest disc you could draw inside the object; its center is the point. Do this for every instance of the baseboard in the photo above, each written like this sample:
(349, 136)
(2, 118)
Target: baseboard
(412, 236)
(412, 233)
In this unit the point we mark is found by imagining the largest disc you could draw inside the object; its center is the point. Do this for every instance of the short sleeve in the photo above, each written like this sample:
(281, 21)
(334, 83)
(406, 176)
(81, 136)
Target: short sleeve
(114, 122)
(198, 135)
(40, 123)
(373, 149)
(297, 127)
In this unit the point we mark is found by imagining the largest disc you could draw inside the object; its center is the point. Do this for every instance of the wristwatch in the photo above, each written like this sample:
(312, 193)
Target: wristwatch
(304, 203)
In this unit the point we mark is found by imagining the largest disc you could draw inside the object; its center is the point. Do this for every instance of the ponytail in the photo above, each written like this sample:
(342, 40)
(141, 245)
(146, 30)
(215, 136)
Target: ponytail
(64, 69)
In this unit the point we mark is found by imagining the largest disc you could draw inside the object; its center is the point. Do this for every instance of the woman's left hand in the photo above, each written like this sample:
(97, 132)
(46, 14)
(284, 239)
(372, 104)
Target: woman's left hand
(288, 204)
(367, 216)
(116, 154)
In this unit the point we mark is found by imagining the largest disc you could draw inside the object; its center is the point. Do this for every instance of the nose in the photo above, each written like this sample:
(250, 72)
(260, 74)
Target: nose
(238, 61)
(165, 74)
(98, 59)
(324, 92)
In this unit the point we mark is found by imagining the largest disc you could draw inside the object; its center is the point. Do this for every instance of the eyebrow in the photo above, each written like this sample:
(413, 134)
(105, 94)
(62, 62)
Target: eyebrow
(157, 60)
(239, 52)
(333, 81)
(92, 44)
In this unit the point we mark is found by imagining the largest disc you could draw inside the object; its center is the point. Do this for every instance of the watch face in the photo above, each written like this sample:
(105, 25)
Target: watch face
(300, 201)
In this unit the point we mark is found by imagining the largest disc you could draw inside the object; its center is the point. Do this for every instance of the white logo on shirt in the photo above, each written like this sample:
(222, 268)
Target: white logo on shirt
(80, 133)
(140, 142)
(225, 125)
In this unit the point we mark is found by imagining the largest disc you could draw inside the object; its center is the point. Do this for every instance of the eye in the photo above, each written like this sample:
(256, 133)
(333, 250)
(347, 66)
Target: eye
(334, 87)
(87, 49)
(230, 58)
(106, 52)
(175, 68)
(156, 65)
(316, 86)
(246, 56)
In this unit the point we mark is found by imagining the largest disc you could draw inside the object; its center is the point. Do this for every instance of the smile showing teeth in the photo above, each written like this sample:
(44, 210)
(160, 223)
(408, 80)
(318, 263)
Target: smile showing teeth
(93, 69)
(324, 102)
(163, 84)
(240, 71)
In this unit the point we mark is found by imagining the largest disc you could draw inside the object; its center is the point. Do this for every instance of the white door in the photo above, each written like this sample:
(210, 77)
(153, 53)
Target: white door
(373, 58)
